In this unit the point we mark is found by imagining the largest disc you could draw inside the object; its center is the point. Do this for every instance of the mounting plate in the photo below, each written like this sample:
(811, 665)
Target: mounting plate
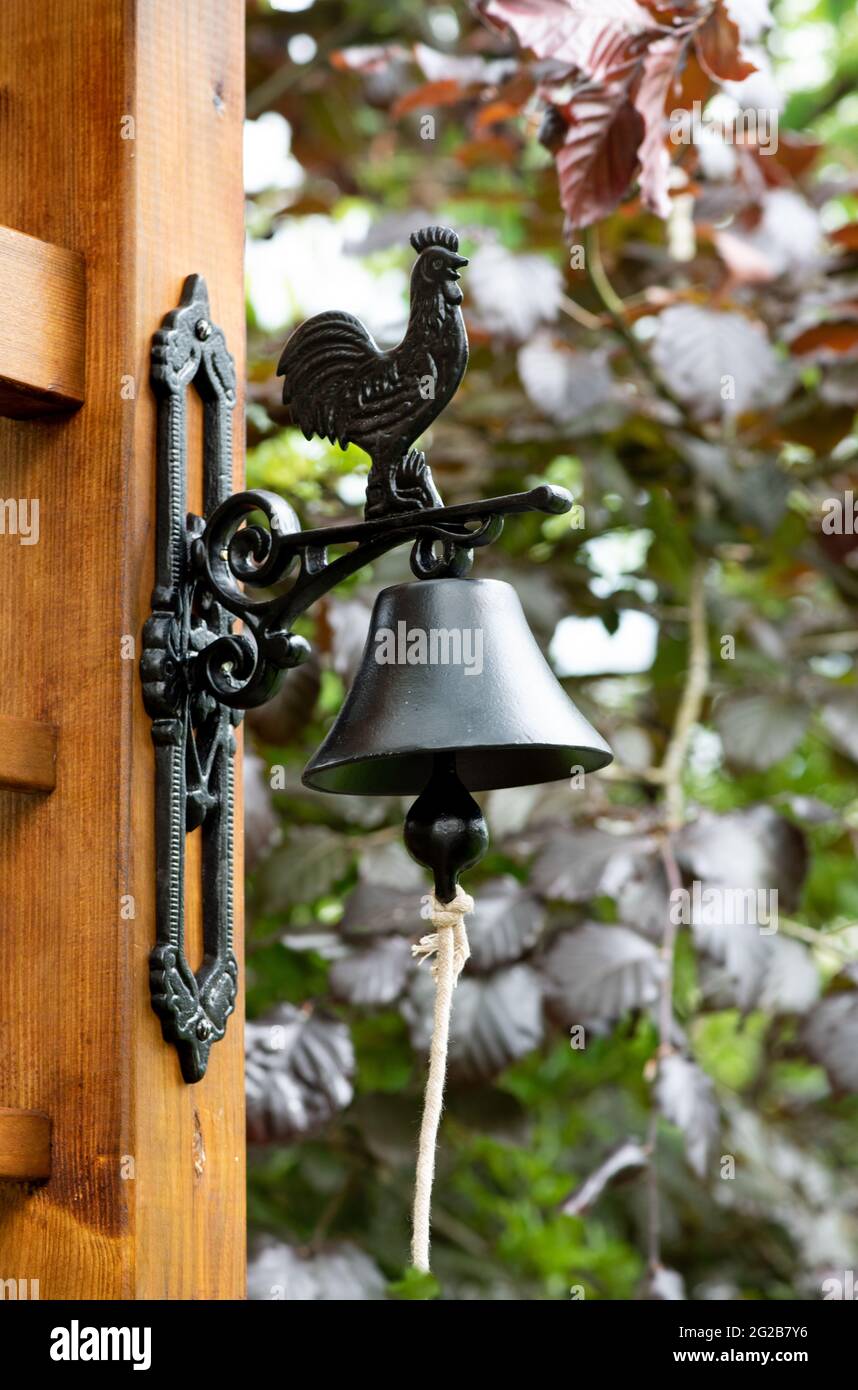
(192, 732)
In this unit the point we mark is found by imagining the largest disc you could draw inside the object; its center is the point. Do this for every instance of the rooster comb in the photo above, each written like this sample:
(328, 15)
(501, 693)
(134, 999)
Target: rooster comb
(435, 236)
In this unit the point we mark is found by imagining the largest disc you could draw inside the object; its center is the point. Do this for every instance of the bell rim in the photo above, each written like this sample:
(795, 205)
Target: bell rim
(590, 759)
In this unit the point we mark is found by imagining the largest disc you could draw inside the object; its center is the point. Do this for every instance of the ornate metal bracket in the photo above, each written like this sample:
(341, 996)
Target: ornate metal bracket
(253, 542)
(249, 559)
(192, 732)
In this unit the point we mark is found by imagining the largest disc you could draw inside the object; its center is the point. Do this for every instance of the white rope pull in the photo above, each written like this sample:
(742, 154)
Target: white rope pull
(447, 948)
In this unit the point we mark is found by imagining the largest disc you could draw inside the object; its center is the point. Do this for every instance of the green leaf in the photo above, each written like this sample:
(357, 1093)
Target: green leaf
(414, 1287)
(306, 867)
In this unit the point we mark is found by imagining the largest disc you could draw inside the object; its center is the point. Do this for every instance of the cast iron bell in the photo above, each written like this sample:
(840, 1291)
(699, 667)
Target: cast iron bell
(451, 667)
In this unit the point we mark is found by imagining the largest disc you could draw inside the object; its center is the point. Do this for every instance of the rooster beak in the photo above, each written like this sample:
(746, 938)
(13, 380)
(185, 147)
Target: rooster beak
(458, 261)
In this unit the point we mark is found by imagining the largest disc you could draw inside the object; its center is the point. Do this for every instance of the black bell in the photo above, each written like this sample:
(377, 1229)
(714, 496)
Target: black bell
(451, 667)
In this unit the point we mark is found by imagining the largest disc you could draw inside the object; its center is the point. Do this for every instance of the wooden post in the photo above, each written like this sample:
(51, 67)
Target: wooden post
(121, 126)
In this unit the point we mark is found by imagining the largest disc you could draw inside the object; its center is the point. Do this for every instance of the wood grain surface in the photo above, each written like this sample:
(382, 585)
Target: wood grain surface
(28, 755)
(25, 1145)
(43, 313)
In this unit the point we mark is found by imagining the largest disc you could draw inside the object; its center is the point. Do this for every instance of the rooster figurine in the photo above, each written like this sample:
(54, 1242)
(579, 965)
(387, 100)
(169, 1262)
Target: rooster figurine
(341, 386)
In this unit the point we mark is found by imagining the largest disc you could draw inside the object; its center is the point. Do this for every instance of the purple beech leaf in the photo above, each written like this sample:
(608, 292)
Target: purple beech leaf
(638, 884)
(748, 849)
(506, 923)
(373, 910)
(564, 384)
(810, 809)
(758, 730)
(599, 155)
(791, 982)
(468, 69)
(830, 1035)
(389, 865)
(261, 824)
(685, 1096)
(600, 972)
(373, 975)
(659, 70)
(496, 1019)
(744, 970)
(305, 866)
(662, 1285)
(491, 1113)
(718, 47)
(388, 1124)
(339, 1273)
(601, 39)
(284, 718)
(717, 363)
(572, 866)
(753, 17)
(839, 715)
(628, 1156)
(513, 294)
(348, 621)
(299, 1068)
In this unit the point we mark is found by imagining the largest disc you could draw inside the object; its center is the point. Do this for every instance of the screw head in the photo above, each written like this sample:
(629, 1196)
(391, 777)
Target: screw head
(203, 330)
(204, 1029)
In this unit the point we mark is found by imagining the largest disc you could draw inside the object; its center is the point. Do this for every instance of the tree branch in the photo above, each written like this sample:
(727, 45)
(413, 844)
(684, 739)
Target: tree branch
(615, 309)
(691, 703)
(688, 714)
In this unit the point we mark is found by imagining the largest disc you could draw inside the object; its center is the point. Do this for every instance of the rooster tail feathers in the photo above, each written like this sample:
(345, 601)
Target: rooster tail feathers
(319, 357)
(435, 236)
(335, 332)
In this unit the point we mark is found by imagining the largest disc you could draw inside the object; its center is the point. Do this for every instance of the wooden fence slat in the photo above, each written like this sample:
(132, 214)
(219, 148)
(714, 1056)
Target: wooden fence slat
(42, 326)
(25, 1145)
(28, 755)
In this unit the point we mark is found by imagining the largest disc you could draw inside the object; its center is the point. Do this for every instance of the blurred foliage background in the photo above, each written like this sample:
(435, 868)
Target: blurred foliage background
(669, 328)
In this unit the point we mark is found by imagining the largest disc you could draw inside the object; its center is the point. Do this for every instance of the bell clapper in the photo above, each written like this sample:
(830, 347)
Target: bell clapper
(446, 832)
